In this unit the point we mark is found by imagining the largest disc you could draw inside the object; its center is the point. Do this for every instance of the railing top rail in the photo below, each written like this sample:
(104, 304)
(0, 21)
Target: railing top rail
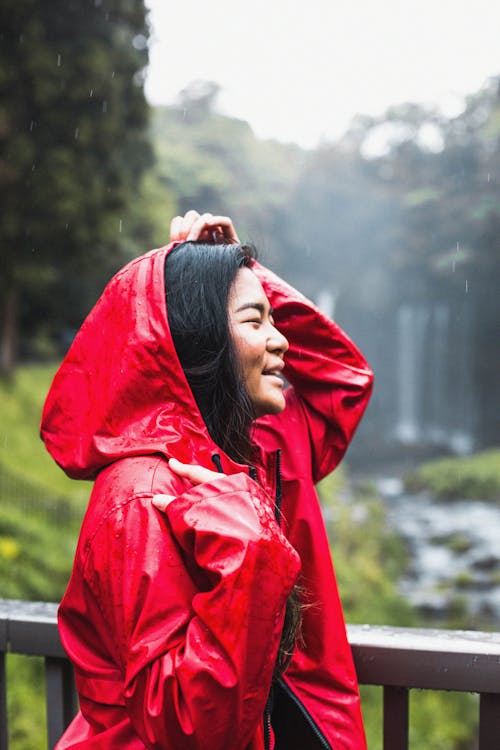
(433, 659)
(29, 628)
(406, 657)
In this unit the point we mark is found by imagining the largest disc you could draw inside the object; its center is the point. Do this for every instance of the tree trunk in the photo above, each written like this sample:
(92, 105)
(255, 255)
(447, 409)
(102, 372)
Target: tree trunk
(8, 332)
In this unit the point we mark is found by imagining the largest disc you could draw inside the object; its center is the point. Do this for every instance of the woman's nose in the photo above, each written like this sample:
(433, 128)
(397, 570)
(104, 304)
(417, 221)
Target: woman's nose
(277, 341)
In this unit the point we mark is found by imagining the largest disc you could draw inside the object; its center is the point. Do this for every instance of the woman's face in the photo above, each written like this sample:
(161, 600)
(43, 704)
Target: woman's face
(259, 345)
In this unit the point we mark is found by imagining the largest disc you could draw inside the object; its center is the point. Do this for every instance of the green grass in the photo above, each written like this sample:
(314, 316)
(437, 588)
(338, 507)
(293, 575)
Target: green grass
(40, 508)
(475, 477)
(40, 515)
(22, 453)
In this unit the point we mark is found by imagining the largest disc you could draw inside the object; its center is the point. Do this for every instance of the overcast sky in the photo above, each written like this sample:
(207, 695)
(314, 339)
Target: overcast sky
(299, 70)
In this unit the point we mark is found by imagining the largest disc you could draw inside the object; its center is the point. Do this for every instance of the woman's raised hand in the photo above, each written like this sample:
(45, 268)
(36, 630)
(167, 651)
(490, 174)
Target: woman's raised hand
(191, 472)
(208, 228)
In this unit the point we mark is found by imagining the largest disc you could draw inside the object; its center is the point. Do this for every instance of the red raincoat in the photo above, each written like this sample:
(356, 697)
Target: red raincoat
(173, 621)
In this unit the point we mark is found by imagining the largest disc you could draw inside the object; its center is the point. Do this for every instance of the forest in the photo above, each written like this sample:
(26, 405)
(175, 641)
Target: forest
(393, 230)
(394, 227)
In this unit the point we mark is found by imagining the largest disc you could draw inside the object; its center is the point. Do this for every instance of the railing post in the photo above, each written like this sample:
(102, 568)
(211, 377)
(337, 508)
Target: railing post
(489, 721)
(395, 718)
(3, 703)
(61, 702)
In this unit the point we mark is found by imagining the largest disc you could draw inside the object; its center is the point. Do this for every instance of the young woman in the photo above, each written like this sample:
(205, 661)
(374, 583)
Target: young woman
(181, 613)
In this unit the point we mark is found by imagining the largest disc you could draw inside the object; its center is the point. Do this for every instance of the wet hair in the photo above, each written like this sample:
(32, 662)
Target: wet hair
(198, 280)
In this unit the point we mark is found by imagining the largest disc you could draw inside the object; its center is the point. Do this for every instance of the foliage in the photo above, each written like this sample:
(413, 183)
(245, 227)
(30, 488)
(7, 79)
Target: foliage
(23, 458)
(215, 163)
(37, 501)
(475, 477)
(416, 223)
(369, 559)
(40, 515)
(73, 147)
(25, 708)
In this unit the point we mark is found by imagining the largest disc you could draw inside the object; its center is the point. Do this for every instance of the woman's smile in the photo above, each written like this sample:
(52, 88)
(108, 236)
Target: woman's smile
(259, 345)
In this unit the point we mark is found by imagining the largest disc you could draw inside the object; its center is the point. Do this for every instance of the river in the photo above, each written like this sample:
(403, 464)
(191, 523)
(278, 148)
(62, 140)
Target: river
(454, 549)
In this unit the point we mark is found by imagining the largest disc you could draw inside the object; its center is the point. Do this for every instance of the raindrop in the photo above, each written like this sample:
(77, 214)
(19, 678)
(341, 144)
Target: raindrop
(453, 265)
(466, 286)
(489, 177)
(91, 93)
(120, 226)
(113, 74)
(21, 38)
(32, 249)
(138, 78)
(77, 132)
(33, 166)
(139, 42)
(105, 106)
(59, 60)
(66, 227)
(32, 123)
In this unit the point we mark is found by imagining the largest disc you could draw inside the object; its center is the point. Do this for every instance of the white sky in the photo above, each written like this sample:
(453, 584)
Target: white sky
(298, 70)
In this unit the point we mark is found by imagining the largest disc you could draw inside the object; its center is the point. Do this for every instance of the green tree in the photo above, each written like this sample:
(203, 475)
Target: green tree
(73, 147)
(212, 162)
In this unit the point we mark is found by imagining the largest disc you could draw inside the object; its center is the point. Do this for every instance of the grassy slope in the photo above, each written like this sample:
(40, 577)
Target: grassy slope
(40, 511)
(472, 477)
(21, 451)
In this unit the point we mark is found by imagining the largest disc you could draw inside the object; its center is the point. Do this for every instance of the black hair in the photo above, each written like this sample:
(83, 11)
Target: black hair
(198, 279)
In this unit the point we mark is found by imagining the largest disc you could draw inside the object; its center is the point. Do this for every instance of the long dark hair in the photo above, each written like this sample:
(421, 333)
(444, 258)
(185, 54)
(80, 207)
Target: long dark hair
(198, 280)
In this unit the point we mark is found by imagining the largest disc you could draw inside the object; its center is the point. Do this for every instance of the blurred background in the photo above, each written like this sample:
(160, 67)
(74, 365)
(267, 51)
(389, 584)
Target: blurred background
(358, 146)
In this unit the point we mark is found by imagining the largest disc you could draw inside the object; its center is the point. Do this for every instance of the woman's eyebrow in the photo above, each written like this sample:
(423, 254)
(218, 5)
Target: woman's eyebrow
(252, 305)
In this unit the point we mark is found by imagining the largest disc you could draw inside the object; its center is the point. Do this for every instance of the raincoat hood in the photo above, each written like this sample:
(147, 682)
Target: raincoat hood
(121, 390)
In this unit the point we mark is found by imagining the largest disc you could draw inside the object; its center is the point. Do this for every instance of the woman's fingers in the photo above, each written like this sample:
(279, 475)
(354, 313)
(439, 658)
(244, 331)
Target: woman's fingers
(205, 228)
(175, 229)
(192, 472)
(213, 229)
(180, 226)
(162, 501)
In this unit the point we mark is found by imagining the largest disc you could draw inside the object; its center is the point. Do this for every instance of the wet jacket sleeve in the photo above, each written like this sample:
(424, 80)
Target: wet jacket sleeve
(331, 379)
(197, 597)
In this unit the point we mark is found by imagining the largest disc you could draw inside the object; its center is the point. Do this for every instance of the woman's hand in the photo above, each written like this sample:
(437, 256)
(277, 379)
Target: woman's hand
(194, 227)
(191, 472)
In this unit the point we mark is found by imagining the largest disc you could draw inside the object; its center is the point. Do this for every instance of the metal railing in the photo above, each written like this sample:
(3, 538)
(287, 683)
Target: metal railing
(397, 659)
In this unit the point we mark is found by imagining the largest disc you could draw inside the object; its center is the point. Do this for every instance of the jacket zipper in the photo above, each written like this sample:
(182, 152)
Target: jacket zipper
(278, 489)
(217, 462)
(307, 716)
(267, 720)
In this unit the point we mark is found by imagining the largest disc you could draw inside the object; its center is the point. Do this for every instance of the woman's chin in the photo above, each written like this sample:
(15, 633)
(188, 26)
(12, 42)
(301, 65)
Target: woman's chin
(271, 405)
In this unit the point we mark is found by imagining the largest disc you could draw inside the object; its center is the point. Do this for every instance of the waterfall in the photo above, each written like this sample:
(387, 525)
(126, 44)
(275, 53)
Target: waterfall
(435, 399)
(412, 321)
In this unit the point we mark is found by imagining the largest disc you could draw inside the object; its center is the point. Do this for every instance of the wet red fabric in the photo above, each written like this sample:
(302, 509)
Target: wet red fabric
(173, 620)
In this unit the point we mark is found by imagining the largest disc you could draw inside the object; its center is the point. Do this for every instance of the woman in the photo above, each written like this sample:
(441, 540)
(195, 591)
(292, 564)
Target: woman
(180, 609)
